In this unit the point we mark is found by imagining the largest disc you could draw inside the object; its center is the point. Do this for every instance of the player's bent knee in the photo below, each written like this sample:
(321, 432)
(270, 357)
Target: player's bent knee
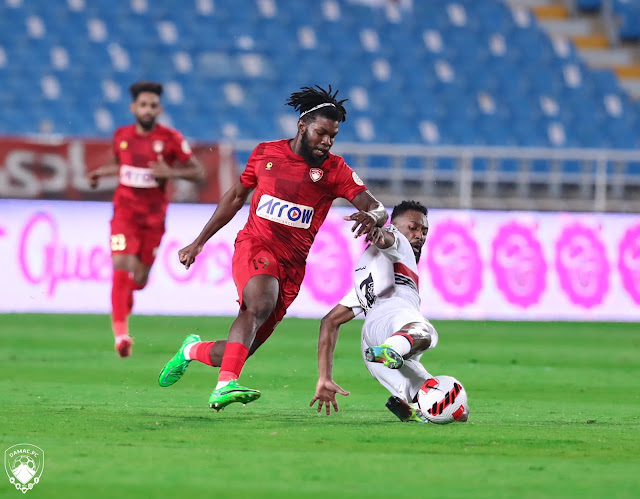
(422, 336)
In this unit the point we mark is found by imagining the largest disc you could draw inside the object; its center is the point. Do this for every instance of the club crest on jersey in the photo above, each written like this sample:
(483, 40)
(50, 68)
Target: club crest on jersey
(284, 212)
(123, 144)
(158, 146)
(316, 174)
(357, 179)
(269, 165)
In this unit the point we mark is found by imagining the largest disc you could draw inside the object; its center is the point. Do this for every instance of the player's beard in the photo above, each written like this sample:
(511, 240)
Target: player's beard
(417, 255)
(147, 124)
(307, 152)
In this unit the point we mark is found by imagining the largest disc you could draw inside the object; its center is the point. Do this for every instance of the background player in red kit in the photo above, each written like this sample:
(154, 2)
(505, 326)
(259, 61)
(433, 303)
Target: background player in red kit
(295, 182)
(145, 155)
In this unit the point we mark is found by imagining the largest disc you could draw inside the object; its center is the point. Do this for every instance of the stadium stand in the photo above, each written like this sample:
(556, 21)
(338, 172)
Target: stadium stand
(443, 73)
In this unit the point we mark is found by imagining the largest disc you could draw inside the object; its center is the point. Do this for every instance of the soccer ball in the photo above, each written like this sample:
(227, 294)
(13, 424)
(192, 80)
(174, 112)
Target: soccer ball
(443, 400)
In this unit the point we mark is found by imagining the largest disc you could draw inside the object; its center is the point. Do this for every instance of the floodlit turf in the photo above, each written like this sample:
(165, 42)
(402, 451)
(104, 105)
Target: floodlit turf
(554, 413)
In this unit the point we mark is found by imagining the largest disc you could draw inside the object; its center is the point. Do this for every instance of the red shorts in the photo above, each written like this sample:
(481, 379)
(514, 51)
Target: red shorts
(136, 234)
(252, 258)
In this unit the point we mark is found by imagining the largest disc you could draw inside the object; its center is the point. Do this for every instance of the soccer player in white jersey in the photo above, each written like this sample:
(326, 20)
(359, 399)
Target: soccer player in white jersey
(395, 334)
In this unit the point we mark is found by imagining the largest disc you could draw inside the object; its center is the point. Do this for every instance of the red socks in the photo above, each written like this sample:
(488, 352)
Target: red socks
(235, 355)
(121, 300)
(201, 351)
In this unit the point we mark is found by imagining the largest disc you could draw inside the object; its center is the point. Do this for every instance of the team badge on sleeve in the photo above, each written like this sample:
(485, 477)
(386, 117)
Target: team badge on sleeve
(357, 179)
(185, 147)
(316, 174)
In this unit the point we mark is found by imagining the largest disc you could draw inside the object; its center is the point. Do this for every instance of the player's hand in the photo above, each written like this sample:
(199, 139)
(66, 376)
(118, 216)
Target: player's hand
(93, 177)
(365, 222)
(375, 235)
(160, 168)
(188, 254)
(326, 390)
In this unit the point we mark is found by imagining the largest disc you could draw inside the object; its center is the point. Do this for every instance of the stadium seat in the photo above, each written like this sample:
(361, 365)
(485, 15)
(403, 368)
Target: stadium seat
(450, 72)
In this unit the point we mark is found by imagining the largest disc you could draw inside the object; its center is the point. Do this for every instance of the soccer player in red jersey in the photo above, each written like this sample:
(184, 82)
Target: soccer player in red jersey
(295, 182)
(146, 155)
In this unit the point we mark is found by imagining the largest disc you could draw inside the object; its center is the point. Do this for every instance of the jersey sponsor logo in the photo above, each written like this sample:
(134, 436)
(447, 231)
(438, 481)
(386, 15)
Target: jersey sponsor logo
(316, 174)
(186, 148)
(133, 176)
(357, 179)
(284, 212)
(158, 146)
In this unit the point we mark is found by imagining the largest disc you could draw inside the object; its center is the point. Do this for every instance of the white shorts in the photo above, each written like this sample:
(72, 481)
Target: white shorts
(384, 319)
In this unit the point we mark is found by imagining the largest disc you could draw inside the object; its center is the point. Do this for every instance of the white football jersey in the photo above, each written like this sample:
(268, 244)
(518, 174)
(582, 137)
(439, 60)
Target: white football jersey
(384, 273)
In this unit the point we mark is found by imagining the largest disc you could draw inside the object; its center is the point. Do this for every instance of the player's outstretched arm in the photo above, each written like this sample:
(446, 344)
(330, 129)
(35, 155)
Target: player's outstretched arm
(107, 170)
(229, 205)
(191, 169)
(371, 214)
(326, 388)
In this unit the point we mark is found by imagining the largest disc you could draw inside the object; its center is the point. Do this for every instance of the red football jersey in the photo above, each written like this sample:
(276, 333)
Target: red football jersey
(137, 188)
(292, 199)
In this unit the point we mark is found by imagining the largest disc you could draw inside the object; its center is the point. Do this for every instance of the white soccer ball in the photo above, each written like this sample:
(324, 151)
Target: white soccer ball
(443, 400)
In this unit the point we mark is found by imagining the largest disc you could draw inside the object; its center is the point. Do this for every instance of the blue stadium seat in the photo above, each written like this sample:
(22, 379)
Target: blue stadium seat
(431, 65)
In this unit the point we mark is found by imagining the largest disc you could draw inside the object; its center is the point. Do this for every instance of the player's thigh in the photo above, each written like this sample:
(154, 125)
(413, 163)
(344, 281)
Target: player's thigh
(150, 239)
(125, 238)
(382, 322)
(251, 258)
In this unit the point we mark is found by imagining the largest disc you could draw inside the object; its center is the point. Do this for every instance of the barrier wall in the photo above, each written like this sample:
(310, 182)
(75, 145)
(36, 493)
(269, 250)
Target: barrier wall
(475, 265)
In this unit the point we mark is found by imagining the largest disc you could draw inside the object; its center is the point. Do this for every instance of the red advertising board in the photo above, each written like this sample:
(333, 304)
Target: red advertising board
(56, 169)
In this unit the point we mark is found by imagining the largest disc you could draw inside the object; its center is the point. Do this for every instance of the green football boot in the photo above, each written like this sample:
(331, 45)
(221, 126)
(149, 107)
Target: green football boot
(231, 392)
(386, 355)
(175, 368)
(404, 411)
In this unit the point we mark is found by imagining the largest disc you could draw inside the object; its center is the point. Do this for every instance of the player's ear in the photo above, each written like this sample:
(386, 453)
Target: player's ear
(132, 107)
(302, 127)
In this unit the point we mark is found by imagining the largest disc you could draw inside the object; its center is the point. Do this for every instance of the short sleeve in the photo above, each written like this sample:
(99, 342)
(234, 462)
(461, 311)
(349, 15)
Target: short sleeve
(348, 185)
(351, 301)
(248, 177)
(181, 146)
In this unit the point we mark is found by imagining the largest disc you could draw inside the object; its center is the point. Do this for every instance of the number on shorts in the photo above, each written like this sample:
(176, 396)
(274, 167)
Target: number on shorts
(118, 242)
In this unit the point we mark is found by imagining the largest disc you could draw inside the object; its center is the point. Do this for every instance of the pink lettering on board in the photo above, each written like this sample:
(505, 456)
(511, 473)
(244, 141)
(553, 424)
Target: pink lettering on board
(45, 259)
(213, 264)
(454, 263)
(629, 262)
(518, 264)
(329, 273)
(582, 266)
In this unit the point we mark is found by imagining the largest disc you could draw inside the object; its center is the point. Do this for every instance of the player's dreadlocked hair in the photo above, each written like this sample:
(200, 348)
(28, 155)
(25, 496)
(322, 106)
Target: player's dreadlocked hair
(406, 206)
(311, 102)
(145, 86)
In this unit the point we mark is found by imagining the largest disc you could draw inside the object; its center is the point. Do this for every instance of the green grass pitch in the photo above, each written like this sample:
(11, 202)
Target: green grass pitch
(554, 413)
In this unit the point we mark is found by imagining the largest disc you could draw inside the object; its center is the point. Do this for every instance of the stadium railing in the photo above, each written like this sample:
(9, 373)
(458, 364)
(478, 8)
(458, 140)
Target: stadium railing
(493, 177)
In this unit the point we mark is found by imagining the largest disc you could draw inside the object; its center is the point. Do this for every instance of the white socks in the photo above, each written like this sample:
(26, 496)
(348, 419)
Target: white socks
(187, 351)
(399, 343)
